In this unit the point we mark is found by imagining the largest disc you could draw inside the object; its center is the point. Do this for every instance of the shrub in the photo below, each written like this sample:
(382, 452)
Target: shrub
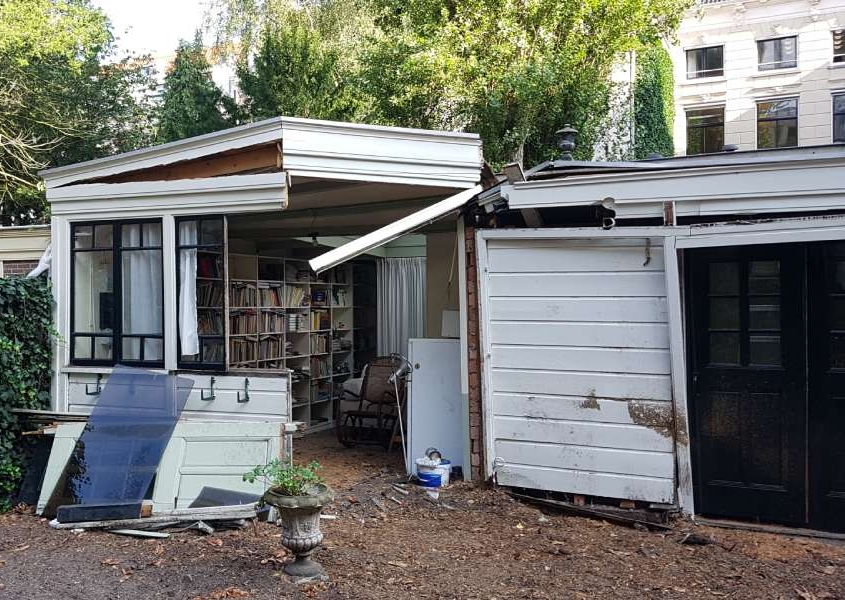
(25, 356)
(289, 480)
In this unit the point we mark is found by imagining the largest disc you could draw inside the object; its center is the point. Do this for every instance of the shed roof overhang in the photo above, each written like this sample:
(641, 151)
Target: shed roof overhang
(795, 180)
(273, 164)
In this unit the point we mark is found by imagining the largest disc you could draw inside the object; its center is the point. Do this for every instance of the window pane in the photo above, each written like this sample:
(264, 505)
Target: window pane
(839, 46)
(764, 350)
(724, 348)
(103, 236)
(131, 348)
(82, 348)
(714, 60)
(695, 140)
(153, 349)
(724, 278)
(839, 128)
(766, 134)
(93, 300)
(83, 237)
(188, 233)
(212, 231)
(130, 236)
(714, 139)
(102, 348)
(152, 234)
(142, 288)
(787, 133)
(765, 54)
(705, 62)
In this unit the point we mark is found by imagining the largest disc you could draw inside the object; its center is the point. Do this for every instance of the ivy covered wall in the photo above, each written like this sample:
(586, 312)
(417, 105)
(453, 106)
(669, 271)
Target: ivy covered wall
(654, 104)
(26, 326)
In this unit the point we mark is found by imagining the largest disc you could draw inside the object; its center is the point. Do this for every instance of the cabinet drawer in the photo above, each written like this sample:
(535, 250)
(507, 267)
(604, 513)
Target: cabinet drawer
(267, 396)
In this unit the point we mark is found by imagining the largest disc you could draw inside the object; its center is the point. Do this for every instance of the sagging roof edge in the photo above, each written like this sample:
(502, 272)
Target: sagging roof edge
(394, 230)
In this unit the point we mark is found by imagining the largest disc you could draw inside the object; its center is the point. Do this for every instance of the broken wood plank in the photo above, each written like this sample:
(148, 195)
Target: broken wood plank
(585, 511)
(240, 510)
(146, 523)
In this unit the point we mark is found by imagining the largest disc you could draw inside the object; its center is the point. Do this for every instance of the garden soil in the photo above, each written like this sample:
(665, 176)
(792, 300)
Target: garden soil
(473, 542)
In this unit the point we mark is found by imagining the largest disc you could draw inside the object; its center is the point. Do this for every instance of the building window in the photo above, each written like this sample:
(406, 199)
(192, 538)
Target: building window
(201, 291)
(705, 130)
(705, 62)
(839, 46)
(780, 53)
(777, 123)
(117, 293)
(839, 118)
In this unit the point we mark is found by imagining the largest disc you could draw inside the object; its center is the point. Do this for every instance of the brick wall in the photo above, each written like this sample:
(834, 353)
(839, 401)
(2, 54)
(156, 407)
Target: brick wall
(476, 429)
(18, 268)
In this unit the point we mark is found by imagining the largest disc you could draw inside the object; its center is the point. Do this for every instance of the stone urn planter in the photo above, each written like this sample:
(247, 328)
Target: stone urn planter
(300, 520)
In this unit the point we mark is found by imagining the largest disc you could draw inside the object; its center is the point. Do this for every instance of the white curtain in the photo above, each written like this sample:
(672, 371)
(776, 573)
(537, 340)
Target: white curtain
(401, 303)
(188, 290)
(142, 287)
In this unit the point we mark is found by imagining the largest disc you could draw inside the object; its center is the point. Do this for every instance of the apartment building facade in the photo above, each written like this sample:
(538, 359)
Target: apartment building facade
(756, 74)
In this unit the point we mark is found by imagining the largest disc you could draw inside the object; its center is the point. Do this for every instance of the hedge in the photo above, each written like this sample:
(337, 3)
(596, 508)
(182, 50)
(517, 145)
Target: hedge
(26, 327)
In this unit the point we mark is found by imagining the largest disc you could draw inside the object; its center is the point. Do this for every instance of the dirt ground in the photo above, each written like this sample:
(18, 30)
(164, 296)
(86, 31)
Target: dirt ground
(476, 543)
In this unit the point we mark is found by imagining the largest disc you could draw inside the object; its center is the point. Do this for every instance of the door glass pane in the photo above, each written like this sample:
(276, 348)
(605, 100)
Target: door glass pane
(837, 351)
(93, 298)
(724, 278)
(764, 277)
(764, 312)
(764, 350)
(724, 313)
(724, 348)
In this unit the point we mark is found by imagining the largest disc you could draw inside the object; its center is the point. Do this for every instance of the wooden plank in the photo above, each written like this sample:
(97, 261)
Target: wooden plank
(594, 284)
(600, 410)
(603, 335)
(592, 310)
(647, 489)
(259, 158)
(597, 435)
(587, 384)
(561, 358)
(586, 458)
(572, 257)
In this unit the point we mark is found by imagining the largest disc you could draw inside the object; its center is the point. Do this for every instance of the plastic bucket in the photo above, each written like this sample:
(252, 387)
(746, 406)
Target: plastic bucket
(433, 476)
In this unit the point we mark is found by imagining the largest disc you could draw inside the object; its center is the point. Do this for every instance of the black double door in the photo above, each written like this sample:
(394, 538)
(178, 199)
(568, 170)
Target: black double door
(767, 382)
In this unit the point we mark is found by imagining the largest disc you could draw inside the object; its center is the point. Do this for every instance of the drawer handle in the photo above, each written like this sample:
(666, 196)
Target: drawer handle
(245, 397)
(97, 390)
(211, 396)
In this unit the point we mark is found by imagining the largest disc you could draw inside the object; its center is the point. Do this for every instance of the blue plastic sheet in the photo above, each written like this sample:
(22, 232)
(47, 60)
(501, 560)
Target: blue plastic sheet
(118, 453)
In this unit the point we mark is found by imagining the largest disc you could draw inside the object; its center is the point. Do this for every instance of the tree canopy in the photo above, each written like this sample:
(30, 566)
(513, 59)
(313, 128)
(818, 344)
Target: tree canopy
(64, 97)
(513, 71)
(191, 103)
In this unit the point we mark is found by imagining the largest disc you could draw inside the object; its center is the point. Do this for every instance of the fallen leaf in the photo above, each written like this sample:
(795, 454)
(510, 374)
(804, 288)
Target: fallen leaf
(215, 542)
(159, 550)
(20, 548)
(829, 570)
(397, 563)
(520, 526)
(804, 594)
(110, 562)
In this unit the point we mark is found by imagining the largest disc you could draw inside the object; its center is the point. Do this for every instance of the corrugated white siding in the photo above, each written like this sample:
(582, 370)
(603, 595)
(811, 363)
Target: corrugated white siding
(578, 376)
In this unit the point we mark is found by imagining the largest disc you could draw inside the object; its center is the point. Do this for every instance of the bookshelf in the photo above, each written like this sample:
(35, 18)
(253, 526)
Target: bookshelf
(282, 318)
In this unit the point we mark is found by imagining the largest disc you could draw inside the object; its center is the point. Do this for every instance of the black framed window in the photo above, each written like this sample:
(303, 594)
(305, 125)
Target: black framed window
(201, 288)
(839, 118)
(779, 53)
(117, 313)
(839, 46)
(706, 62)
(777, 123)
(705, 130)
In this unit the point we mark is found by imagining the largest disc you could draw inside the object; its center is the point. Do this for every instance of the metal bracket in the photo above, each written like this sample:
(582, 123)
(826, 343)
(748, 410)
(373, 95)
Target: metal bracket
(98, 389)
(245, 397)
(211, 396)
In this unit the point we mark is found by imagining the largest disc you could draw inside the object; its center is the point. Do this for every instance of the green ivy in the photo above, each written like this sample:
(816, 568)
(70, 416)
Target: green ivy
(26, 326)
(654, 103)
